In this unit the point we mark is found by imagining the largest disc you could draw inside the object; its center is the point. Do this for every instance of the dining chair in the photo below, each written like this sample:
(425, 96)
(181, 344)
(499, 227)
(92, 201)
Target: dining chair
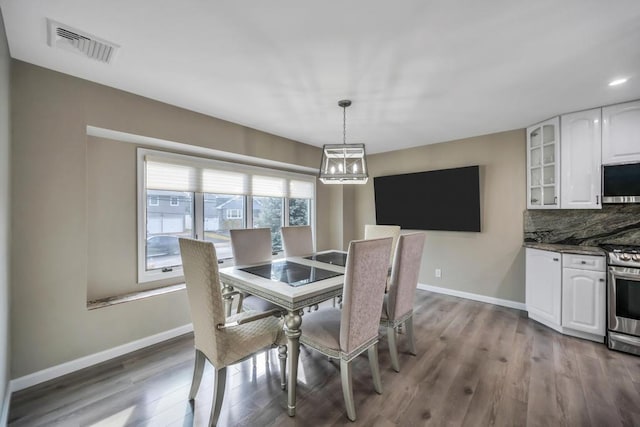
(221, 340)
(297, 240)
(372, 231)
(345, 334)
(252, 246)
(397, 308)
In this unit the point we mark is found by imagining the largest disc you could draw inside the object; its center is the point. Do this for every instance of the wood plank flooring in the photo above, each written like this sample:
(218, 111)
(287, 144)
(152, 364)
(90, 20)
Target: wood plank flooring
(477, 365)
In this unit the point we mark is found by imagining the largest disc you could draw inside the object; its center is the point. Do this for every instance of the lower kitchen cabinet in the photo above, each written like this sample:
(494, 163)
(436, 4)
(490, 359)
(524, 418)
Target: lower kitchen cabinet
(583, 300)
(566, 292)
(544, 286)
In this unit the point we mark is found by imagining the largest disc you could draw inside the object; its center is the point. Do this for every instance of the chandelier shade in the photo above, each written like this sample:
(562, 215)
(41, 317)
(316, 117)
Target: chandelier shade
(343, 163)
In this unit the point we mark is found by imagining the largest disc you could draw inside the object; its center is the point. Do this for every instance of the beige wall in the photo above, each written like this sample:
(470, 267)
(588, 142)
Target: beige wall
(54, 174)
(490, 263)
(4, 215)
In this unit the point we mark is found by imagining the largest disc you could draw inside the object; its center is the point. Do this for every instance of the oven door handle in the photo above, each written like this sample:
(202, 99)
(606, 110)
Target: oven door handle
(625, 272)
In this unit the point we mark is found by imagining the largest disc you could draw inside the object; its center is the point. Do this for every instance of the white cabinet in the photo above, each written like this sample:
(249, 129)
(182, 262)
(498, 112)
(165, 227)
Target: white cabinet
(543, 165)
(580, 159)
(583, 300)
(544, 286)
(621, 133)
(567, 293)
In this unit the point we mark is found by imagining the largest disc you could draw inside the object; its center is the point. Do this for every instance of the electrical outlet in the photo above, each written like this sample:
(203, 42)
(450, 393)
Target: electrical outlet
(438, 272)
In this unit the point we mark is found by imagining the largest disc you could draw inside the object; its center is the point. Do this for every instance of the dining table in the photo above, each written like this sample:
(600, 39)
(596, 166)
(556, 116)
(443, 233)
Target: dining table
(292, 283)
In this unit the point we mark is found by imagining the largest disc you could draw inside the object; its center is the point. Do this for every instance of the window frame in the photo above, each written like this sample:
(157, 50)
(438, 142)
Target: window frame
(144, 275)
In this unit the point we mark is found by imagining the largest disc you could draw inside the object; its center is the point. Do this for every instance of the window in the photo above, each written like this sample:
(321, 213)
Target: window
(164, 226)
(194, 197)
(267, 212)
(217, 223)
(233, 214)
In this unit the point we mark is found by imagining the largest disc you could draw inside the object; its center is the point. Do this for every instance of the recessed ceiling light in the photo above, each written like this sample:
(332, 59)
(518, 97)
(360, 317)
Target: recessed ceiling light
(617, 82)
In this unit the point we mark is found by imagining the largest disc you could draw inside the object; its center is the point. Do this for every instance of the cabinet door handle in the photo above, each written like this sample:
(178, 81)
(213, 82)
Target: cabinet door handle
(556, 259)
(555, 200)
(602, 280)
(597, 200)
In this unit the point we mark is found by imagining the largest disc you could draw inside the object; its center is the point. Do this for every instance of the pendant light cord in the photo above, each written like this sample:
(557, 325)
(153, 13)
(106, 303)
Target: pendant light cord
(344, 125)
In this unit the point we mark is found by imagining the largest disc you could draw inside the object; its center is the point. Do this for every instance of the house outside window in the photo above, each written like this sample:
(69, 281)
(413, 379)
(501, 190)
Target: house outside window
(174, 201)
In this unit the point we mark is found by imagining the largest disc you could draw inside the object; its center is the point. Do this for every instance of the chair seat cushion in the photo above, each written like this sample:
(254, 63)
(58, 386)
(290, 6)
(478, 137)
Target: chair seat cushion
(321, 331)
(255, 303)
(238, 342)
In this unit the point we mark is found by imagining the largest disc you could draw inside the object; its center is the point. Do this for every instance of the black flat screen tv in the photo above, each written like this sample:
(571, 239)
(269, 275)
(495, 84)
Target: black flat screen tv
(447, 199)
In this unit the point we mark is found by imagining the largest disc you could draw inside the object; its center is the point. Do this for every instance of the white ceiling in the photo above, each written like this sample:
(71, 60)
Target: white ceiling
(418, 72)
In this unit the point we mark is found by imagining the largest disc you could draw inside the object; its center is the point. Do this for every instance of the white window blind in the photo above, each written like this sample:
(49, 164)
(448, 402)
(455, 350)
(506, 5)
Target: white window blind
(300, 189)
(165, 171)
(268, 186)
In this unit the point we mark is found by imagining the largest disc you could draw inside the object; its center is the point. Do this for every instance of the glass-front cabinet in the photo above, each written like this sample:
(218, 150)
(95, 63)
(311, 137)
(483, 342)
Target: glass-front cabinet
(543, 160)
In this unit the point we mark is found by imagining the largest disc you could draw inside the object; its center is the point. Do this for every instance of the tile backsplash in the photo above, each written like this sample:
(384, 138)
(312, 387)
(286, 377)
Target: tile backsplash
(619, 224)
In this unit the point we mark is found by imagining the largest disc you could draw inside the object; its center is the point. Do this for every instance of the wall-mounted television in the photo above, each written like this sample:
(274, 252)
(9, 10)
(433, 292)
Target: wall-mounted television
(447, 199)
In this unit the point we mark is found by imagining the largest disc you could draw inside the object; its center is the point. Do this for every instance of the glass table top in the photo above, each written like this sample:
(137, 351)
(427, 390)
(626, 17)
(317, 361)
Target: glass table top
(290, 273)
(335, 258)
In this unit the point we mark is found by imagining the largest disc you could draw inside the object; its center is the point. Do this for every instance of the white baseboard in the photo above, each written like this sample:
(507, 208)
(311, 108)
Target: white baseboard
(93, 359)
(475, 297)
(4, 410)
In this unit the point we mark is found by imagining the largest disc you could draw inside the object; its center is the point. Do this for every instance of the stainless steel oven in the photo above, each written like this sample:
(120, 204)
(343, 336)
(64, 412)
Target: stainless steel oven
(623, 292)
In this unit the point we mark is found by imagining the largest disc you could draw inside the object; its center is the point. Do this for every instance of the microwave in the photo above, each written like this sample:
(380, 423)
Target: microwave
(621, 183)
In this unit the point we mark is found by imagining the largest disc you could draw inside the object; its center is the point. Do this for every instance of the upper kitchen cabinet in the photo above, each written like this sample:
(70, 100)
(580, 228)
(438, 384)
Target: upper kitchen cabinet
(580, 157)
(621, 133)
(543, 171)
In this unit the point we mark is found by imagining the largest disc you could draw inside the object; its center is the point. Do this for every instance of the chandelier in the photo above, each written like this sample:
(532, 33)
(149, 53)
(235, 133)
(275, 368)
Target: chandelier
(343, 163)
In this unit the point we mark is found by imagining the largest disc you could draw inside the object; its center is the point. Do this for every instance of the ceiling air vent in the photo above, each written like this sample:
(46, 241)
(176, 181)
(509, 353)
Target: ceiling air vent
(85, 44)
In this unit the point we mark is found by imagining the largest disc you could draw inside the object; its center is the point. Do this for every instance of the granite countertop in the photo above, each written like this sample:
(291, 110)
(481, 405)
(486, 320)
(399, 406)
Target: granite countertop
(569, 249)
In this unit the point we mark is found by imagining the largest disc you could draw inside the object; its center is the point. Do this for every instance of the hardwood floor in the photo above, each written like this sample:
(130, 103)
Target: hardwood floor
(477, 365)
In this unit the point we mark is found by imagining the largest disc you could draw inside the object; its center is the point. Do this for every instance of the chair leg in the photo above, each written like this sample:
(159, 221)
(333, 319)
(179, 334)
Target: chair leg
(219, 382)
(375, 368)
(412, 342)
(282, 354)
(197, 374)
(240, 301)
(347, 389)
(393, 348)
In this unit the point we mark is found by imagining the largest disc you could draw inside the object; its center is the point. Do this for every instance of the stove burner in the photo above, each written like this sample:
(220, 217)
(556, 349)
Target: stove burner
(623, 255)
(628, 249)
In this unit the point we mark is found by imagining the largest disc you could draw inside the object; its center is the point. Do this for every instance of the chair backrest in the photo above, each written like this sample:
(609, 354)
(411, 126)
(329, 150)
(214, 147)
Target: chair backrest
(372, 231)
(363, 293)
(297, 240)
(200, 266)
(404, 274)
(251, 245)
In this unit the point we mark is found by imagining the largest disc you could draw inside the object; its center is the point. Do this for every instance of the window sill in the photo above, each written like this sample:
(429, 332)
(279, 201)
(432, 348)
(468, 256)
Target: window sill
(134, 296)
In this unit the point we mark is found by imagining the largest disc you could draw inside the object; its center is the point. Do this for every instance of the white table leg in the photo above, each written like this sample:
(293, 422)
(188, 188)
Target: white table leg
(292, 322)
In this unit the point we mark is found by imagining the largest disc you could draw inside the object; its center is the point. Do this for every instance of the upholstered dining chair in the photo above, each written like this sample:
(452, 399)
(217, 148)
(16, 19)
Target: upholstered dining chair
(252, 246)
(222, 341)
(297, 240)
(398, 302)
(372, 231)
(345, 334)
